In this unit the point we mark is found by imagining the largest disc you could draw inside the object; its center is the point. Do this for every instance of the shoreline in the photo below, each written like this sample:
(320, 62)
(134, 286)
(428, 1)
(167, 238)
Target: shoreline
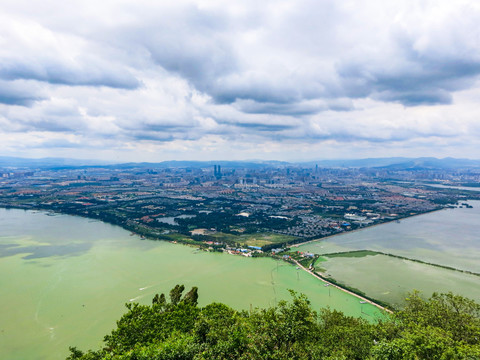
(150, 237)
(198, 246)
(362, 228)
(343, 289)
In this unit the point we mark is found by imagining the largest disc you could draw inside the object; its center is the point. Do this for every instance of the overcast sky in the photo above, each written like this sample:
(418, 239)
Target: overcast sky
(210, 80)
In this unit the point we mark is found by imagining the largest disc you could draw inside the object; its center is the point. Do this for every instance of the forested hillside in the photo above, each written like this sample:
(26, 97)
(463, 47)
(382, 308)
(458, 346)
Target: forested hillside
(445, 326)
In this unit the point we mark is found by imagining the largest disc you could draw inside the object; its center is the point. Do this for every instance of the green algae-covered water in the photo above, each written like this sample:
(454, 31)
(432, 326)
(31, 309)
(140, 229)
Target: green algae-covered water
(448, 237)
(65, 281)
(390, 279)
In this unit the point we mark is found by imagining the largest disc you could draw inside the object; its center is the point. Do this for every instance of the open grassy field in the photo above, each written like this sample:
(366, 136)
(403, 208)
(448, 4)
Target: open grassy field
(265, 239)
(257, 239)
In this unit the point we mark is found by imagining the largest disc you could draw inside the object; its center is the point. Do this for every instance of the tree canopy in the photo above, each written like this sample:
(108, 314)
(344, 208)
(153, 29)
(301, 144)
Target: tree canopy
(446, 326)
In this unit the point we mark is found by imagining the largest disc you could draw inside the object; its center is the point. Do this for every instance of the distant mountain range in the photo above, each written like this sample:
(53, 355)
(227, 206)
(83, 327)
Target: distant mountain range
(17, 162)
(202, 164)
(59, 163)
(393, 163)
(400, 163)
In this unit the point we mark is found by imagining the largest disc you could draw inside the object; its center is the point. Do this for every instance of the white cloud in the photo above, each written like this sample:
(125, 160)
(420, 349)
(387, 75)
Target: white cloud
(208, 79)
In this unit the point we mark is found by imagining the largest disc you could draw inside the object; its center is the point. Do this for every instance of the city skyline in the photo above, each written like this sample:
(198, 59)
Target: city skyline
(204, 80)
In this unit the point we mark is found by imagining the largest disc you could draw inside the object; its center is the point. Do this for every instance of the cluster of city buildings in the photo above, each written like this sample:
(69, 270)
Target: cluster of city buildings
(293, 201)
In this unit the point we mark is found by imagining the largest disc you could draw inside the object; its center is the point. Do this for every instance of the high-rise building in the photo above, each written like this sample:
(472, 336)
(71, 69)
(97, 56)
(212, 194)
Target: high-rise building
(217, 172)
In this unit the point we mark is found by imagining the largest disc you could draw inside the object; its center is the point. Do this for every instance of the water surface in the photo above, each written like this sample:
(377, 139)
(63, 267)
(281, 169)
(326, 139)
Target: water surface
(448, 237)
(468, 188)
(65, 281)
(390, 279)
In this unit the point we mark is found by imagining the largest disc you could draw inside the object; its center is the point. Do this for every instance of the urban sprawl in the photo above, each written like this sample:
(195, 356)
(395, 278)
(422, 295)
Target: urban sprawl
(249, 210)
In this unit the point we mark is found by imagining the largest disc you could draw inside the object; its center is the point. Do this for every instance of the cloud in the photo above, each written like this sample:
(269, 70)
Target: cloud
(265, 127)
(61, 143)
(31, 51)
(426, 57)
(200, 76)
(292, 109)
(84, 73)
(19, 93)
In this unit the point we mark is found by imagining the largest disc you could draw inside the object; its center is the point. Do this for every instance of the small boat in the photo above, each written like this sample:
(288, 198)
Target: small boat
(363, 302)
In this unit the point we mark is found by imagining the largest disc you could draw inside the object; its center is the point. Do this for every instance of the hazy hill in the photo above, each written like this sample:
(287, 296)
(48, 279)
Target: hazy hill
(393, 163)
(399, 163)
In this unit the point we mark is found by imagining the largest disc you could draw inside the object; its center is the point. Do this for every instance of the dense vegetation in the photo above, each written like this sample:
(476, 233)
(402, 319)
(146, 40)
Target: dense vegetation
(444, 327)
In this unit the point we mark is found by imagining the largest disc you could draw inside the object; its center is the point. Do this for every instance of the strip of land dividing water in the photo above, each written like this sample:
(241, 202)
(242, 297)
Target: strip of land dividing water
(344, 289)
(362, 253)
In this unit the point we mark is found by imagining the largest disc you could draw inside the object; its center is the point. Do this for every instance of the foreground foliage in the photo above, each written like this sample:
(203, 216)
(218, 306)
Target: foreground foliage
(444, 327)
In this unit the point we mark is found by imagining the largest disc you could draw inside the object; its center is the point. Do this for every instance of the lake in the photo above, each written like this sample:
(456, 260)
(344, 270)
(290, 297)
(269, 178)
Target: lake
(448, 237)
(172, 220)
(65, 281)
(467, 188)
